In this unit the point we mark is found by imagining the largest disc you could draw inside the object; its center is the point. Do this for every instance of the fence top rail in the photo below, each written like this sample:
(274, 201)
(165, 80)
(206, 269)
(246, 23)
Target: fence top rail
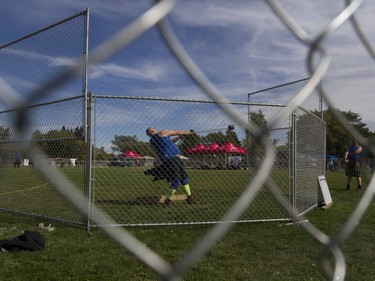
(42, 104)
(310, 113)
(85, 12)
(187, 100)
(278, 86)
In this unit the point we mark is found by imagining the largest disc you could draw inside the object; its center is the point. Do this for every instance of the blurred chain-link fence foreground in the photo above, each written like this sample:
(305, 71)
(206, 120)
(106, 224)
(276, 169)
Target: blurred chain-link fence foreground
(250, 161)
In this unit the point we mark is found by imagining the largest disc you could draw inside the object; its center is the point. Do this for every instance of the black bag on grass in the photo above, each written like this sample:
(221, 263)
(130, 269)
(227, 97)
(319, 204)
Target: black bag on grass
(27, 241)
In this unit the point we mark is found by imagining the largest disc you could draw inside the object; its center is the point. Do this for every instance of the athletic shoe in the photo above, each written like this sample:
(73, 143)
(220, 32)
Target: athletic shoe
(167, 202)
(359, 188)
(191, 200)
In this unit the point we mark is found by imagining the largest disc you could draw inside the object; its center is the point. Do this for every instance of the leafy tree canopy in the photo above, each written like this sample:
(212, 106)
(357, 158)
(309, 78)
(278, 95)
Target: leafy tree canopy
(4, 133)
(338, 139)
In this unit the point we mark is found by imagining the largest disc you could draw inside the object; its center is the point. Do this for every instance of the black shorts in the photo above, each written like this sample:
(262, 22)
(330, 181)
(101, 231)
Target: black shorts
(170, 170)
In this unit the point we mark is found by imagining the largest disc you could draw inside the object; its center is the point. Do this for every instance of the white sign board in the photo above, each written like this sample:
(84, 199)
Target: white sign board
(325, 191)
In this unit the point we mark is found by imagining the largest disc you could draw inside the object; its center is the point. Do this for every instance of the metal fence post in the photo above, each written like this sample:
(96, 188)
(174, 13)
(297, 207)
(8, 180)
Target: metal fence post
(88, 148)
(293, 161)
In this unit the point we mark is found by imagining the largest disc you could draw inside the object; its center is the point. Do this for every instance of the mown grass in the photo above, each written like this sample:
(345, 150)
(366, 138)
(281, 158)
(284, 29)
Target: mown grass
(118, 191)
(250, 251)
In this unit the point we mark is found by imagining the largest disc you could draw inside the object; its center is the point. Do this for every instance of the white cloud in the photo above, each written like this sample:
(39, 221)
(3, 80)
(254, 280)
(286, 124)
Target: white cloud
(146, 71)
(242, 46)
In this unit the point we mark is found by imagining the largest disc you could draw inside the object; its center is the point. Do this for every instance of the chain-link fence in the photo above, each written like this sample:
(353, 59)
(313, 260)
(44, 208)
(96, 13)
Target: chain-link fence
(299, 140)
(16, 114)
(23, 188)
(220, 160)
(53, 122)
(309, 161)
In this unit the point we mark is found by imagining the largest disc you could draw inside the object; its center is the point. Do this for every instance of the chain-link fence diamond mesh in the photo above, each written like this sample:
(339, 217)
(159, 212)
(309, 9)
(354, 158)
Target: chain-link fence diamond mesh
(116, 189)
(53, 121)
(218, 160)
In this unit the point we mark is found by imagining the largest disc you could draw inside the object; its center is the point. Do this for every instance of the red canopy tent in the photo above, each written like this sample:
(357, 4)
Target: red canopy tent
(215, 155)
(229, 147)
(131, 154)
(230, 150)
(198, 149)
(212, 148)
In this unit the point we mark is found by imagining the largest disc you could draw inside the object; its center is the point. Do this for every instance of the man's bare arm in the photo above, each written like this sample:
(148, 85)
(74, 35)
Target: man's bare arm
(357, 151)
(165, 133)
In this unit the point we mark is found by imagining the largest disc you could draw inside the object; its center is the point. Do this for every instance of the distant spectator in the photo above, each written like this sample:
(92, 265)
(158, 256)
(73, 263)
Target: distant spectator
(353, 169)
(17, 161)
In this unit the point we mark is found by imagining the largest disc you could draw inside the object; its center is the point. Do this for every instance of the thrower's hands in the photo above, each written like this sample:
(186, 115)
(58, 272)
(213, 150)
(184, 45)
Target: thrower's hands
(176, 133)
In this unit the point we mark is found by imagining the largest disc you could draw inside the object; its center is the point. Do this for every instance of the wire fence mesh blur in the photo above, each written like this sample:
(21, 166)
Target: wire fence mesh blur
(220, 160)
(66, 81)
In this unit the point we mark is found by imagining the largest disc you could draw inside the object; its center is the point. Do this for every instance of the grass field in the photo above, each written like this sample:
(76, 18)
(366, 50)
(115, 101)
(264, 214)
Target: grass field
(117, 191)
(251, 251)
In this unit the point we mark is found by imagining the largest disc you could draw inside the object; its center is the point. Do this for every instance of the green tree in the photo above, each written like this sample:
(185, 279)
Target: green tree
(188, 141)
(252, 144)
(101, 154)
(356, 120)
(60, 143)
(217, 137)
(4, 136)
(122, 143)
(4, 133)
(337, 138)
(79, 132)
(233, 138)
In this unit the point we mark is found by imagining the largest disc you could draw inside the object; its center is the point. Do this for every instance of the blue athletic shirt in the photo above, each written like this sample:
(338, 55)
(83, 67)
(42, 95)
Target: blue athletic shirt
(165, 148)
(355, 156)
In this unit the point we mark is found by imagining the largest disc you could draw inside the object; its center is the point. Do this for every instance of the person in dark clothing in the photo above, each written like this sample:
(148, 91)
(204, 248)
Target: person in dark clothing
(17, 161)
(353, 168)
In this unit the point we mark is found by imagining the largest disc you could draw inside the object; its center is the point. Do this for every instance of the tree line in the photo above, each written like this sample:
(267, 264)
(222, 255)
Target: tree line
(69, 142)
(337, 138)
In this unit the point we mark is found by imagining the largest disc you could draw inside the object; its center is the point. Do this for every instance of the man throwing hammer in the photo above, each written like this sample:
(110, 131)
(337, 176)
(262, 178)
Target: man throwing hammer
(171, 168)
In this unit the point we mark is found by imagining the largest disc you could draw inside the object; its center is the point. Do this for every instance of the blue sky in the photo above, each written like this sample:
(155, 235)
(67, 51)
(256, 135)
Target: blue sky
(240, 45)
